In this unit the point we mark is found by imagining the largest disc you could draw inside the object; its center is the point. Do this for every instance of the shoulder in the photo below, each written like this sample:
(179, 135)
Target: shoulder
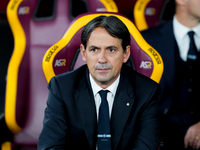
(136, 78)
(142, 86)
(158, 30)
(72, 74)
(69, 79)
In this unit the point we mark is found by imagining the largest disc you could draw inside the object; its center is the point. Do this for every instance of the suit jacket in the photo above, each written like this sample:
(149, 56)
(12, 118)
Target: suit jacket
(70, 120)
(162, 38)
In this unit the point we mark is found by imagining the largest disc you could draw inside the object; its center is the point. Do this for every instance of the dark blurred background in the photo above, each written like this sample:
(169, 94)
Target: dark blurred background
(6, 48)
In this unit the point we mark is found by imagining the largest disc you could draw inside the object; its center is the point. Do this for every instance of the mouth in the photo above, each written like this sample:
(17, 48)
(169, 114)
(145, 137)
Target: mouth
(102, 70)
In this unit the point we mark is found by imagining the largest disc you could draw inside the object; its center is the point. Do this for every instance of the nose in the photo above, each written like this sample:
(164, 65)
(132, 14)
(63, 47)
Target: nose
(102, 56)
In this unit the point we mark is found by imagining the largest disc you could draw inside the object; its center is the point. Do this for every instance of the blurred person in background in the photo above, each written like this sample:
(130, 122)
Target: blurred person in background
(178, 42)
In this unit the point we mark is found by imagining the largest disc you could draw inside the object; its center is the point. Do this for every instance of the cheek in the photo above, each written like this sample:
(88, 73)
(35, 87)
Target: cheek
(117, 62)
(91, 61)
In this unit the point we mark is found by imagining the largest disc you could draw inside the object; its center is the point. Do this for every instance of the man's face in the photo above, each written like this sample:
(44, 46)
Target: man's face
(104, 56)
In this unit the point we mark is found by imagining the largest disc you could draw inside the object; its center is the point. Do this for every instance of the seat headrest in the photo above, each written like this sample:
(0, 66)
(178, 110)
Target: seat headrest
(63, 56)
(149, 13)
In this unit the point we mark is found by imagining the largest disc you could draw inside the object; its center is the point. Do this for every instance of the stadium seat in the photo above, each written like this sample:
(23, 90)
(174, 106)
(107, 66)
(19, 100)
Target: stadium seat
(125, 7)
(36, 25)
(149, 13)
(64, 55)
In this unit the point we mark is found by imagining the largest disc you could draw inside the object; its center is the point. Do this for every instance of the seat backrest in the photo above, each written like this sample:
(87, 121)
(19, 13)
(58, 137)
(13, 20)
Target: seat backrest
(125, 7)
(149, 13)
(64, 56)
(102, 6)
(36, 25)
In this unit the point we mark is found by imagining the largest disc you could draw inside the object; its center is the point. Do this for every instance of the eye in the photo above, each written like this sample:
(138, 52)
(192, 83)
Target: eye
(94, 50)
(111, 50)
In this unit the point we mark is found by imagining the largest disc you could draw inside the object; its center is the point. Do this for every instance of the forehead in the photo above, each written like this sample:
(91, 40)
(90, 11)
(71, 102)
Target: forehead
(100, 37)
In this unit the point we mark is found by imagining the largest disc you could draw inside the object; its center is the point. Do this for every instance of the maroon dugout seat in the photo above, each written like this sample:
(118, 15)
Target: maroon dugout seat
(64, 56)
(149, 13)
(36, 25)
(125, 7)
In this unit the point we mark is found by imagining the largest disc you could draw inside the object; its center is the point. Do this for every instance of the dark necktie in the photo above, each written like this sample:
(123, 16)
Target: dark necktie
(104, 135)
(192, 61)
(192, 53)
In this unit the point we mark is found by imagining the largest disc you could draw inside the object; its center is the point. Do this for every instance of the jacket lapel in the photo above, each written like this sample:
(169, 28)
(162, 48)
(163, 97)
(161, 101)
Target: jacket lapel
(86, 107)
(167, 48)
(168, 53)
(122, 106)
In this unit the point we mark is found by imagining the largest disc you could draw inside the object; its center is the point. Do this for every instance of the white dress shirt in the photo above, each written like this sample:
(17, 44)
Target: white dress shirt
(182, 38)
(110, 95)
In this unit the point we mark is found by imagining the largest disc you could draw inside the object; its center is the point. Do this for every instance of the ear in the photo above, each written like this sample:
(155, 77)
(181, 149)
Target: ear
(83, 52)
(127, 53)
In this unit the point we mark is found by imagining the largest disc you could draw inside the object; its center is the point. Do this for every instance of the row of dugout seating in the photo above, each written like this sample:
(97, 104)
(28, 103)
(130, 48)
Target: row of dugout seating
(46, 43)
(36, 26)
(144, 13)
(147, 13)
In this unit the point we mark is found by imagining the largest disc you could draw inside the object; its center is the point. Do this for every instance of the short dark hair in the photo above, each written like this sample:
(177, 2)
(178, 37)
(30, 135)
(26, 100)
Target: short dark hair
(114, 26)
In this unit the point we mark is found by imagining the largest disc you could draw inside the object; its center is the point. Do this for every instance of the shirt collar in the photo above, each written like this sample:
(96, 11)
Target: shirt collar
(197, 30)
(96, 88)
(180, 30)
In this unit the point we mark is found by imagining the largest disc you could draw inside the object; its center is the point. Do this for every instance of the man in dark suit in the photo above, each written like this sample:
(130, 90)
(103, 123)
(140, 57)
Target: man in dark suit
(179, 99)
(72, 114)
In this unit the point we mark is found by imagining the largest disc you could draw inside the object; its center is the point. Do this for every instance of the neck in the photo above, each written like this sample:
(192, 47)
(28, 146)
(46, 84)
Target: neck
(186, 19)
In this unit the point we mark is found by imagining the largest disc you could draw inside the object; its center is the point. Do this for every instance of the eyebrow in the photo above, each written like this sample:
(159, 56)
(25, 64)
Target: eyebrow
(108, 47)
(112, 47)
(92, 47)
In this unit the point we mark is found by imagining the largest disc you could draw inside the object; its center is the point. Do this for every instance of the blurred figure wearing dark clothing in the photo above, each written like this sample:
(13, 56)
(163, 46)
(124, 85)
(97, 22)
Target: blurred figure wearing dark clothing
(179, 100)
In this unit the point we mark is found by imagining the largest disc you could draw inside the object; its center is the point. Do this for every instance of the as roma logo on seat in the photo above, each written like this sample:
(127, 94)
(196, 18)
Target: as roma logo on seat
(146, 64)
(60, 62)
